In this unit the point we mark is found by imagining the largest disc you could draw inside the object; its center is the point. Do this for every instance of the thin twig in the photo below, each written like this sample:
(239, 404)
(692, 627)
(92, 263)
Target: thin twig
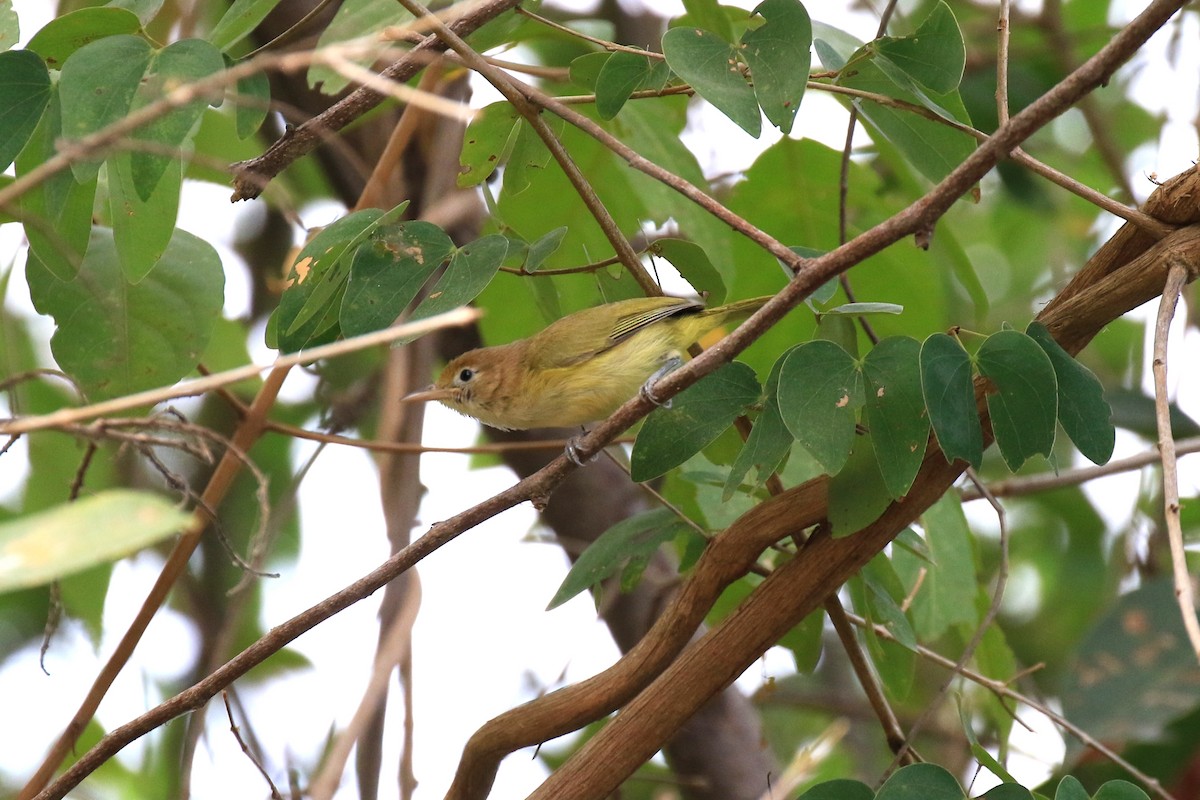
(237, 734)
(1002, 36)
(899, 743)
(844, 182)
(1177, 276)
(1047, 481)
(460, 316)
(612, 47)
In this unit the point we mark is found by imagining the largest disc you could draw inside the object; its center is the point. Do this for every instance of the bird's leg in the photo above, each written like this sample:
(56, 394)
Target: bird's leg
(670, 364)
(572, 450)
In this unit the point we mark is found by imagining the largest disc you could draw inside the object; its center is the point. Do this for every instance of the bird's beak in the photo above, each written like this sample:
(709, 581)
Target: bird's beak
(431, 392)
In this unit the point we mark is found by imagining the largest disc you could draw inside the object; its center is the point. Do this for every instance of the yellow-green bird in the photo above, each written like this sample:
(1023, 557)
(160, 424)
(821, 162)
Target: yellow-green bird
(582, 367)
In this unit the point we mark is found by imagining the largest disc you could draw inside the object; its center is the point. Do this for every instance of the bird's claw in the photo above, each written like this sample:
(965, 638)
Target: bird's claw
(647, 391)
(572, 453)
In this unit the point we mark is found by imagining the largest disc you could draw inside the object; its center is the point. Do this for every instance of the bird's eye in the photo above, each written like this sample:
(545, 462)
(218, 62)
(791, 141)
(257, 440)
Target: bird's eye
(465, 374)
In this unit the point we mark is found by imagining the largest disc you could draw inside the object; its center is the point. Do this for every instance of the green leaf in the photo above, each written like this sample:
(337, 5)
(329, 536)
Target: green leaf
(620, 76)
(990, 762)
(388, 271)
(307, 312)
(115, 338)
(1069, 788)
(895, 411)
(921, 782)
(820, 387)
(543, 248)
(950, 398)
(857, 492)
(584, 71)
(239, 21)
(1120, 790)
(487, 143)
(529, 154)
(1025, 407)
(252, 103)
(63, 36)
(1005, 791)
(839, 329)
(1082, 410)
(894, 663)
(768, 444)
(710, 64)
(709, 14)
(885, 592)
(471, 269)
(146, 10)
(142, 229)
(778, 53)
(806, 642)
(841, 789)
(697, 416)
(57, 213)
(933, 148)
(865, 309)
(934, 56)
(24, 95)
(99, 82)
(10, 26)
(178, 64)
(946, 597)
(43, 547)
(634, 538)
(695, 267)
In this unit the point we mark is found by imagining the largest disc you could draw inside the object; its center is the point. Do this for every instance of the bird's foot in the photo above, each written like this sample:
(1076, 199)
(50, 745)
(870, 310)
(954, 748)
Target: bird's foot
(572, 452)
(647, 391)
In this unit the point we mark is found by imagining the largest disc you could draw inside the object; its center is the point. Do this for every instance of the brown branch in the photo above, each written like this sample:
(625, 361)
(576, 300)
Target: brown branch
(1184, 593)
(249, 177)
(1047, 481)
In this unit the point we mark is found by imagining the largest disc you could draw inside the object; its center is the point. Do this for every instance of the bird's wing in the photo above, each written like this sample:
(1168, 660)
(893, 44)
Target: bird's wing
(594, 330)
(629, 324)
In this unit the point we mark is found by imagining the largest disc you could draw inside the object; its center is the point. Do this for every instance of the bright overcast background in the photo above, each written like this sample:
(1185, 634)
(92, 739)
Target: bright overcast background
(469, 606)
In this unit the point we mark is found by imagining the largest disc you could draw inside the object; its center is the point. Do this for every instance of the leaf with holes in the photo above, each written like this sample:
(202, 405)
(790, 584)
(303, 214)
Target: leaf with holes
(778, 53)
(710, 64)
(820, 388)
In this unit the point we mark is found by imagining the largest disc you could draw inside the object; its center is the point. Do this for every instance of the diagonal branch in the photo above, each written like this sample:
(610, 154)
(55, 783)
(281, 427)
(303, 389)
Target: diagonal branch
(249, 177)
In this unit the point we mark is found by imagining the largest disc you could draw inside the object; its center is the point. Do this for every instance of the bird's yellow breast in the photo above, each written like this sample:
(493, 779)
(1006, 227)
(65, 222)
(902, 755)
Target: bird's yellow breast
(574, 395)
